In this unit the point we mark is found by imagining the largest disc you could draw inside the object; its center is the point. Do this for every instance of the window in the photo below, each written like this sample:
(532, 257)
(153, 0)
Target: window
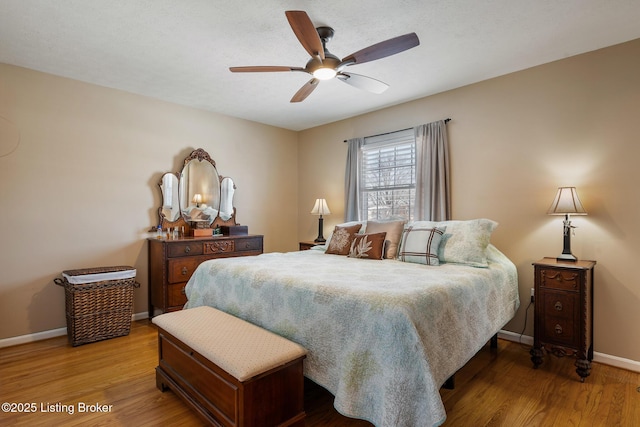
(388, 176)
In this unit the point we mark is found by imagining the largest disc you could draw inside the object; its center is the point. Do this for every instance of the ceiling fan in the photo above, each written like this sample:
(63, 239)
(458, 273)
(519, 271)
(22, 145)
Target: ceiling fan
(323, 65)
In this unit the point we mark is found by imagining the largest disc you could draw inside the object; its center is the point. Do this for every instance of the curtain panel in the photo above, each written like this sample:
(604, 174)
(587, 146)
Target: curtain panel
(433, 184)
(351, 180)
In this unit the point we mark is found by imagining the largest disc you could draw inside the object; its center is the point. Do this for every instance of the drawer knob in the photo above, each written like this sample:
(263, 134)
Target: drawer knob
(184, 271)
(183, 291)
(558, 306)
(187, 249)
(558, 329)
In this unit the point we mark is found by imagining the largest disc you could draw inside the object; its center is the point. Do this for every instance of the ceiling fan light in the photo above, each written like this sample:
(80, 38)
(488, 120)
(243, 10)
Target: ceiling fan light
(324, 73)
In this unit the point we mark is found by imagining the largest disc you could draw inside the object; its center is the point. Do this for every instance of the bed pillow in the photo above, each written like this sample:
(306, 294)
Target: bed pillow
(370, 246)
(346, 224)
(341, 239)
(394, 234)
(464, 242)
(420, 244)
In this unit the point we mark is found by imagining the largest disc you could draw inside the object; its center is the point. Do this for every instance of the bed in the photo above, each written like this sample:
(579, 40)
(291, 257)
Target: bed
(382, 335)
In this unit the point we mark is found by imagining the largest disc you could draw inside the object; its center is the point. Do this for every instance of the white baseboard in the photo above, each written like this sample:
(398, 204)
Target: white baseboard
(618, 362)
(38, 336)
(606, 359)
(515, 337)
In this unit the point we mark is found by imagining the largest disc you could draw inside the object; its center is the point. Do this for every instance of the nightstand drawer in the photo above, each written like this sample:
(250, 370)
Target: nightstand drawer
(560, 331)
(559, 304)
(557, 278)
(307, 245)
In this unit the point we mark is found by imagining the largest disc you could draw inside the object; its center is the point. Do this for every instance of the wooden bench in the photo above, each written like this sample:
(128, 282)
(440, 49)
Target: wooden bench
(231, 372)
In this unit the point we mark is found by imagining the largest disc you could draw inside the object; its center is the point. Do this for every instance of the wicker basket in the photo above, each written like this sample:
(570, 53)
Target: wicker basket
(99, 302)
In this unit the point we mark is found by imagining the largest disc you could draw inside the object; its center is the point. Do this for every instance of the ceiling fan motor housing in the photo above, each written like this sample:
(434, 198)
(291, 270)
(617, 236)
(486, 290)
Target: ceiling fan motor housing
(327, 68)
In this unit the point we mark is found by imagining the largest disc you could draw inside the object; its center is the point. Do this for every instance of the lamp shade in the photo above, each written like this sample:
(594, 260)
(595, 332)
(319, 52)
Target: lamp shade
(320, 208)
(566, 202)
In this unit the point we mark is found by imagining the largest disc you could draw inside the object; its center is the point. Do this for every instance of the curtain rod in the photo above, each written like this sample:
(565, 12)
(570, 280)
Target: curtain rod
(447, 120)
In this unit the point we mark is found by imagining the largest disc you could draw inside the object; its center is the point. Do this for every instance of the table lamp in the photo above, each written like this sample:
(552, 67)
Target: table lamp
(566, 203)
(320, 208)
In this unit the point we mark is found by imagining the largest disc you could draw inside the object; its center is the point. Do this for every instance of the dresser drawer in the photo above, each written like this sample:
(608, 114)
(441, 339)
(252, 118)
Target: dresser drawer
(557, 278)
(179, 249)
(181, 269)
(176, 295)
(250, 244)
(221, 246)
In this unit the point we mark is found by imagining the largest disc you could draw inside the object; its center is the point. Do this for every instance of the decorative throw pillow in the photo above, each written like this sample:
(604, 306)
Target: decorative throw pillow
(341, 239)
(420, 245)
(345, 224)
(394, 234)
(465, 241)
(369, 246)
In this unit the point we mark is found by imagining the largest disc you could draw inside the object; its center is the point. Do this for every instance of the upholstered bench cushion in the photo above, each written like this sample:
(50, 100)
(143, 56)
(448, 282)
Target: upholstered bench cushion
(242, 349)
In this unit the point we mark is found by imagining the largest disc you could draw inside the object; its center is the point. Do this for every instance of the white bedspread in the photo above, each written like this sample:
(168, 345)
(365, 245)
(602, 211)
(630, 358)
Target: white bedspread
(382, 336)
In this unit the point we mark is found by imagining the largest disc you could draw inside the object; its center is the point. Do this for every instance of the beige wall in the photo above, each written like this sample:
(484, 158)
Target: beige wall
(514, 140)
(81, 190)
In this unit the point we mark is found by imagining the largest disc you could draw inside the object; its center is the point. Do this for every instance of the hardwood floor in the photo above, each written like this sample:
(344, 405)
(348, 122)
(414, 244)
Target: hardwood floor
(493, 389)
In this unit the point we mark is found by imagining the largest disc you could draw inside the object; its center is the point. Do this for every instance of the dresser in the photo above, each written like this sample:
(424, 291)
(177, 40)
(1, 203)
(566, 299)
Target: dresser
(173, 261)
(563, 323)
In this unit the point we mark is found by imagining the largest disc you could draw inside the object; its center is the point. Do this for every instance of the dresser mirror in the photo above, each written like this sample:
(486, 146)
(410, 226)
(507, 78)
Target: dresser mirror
(199, 188)
(227, 189)
(197, 194)
(169, 191)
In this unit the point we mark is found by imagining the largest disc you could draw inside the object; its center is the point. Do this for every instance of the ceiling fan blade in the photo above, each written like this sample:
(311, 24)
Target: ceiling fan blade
(263, 69)
(382, 49)
(305, 90)
(363, 82)
(306, 32)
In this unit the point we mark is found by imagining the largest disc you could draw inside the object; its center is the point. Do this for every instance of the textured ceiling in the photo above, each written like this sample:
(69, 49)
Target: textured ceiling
(180, 50)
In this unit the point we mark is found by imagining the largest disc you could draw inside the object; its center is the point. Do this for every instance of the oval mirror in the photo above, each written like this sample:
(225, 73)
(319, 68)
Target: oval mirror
(199, 189)
(169, 190)
(227, 190)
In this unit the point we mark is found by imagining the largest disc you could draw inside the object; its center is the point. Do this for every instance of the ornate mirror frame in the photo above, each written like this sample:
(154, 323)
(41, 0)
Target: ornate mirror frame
(184, 221)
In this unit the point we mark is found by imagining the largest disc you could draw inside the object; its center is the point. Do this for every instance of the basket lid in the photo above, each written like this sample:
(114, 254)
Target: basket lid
(99, 274)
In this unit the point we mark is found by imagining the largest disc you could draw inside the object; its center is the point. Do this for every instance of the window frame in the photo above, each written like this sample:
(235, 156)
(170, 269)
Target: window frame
(403, 145)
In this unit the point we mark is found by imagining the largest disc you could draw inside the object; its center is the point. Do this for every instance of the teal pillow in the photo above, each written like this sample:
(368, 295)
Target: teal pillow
(420, 244)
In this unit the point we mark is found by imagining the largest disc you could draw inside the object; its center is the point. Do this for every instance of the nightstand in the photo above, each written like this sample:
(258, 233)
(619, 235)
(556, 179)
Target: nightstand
(564, 312)
(308, 245)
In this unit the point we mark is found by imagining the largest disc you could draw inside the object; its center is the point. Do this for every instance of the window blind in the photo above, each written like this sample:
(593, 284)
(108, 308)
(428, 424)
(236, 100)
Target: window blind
(387, 168)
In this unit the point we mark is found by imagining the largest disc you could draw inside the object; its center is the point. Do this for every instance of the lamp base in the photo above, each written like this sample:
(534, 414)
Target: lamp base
(566, 255)
(567, 258)
(320, 238)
